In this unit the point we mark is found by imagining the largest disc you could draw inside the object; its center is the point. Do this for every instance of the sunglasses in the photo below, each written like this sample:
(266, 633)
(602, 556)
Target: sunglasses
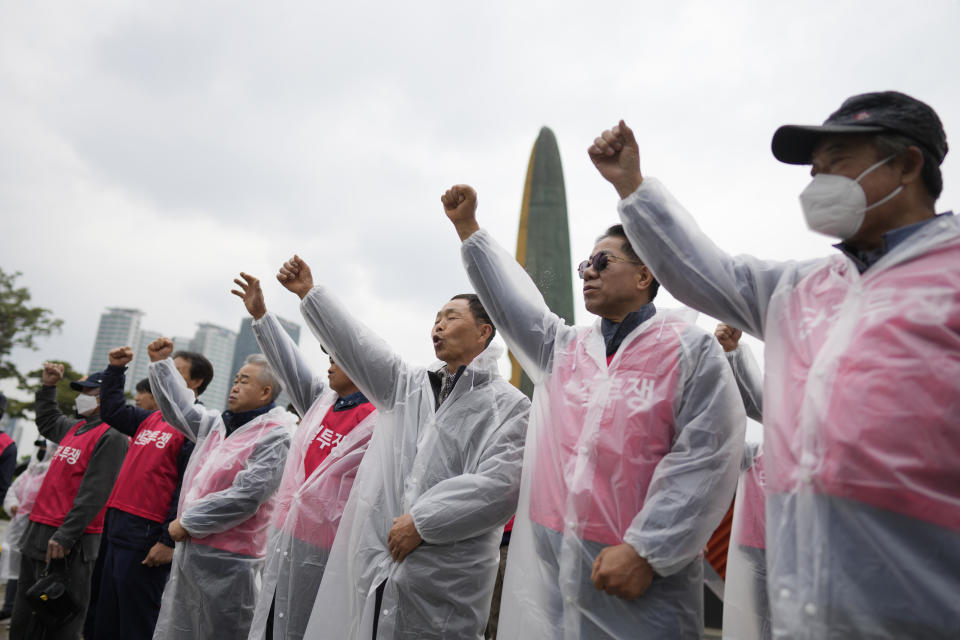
(599, 262)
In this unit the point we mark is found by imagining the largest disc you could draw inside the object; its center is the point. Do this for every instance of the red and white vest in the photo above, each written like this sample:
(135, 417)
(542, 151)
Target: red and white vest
(216, 462)
(612, 421)
(862, 384)
(149, 475)
(62, 482)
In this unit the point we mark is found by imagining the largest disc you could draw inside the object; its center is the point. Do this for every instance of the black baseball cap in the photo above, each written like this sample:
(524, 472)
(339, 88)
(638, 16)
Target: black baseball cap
(884, 111)
(92, 381)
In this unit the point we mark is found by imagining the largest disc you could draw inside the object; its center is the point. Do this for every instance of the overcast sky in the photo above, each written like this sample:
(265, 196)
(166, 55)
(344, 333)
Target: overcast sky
(150, 151)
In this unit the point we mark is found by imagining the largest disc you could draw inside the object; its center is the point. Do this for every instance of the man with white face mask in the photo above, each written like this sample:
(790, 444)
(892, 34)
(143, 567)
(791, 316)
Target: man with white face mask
(862, 367)
(67, 518)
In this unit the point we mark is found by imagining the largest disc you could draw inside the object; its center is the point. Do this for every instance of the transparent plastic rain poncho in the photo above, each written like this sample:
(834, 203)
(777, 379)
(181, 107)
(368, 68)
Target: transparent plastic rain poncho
(226, 501)
(643, 451)
(455, 469)
(22, 494)
(861, 412)
(746, 612)
(308, 509)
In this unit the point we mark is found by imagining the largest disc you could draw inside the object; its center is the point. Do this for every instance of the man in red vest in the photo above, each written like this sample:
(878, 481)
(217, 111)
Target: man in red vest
(67, 518)
(139, 548)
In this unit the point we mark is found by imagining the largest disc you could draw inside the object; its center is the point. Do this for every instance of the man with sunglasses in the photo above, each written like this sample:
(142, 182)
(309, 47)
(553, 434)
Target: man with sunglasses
(632, 454)
(862, 366)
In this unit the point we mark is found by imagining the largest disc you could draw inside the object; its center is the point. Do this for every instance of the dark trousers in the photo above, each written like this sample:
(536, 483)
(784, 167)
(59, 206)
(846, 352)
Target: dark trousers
(8, 597)
(130, 594)
(24, 625)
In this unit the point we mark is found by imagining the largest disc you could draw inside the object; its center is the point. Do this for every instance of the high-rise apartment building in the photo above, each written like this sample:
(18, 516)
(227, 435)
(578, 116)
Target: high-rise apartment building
(118, 328)
(138, 369)
(217, 344)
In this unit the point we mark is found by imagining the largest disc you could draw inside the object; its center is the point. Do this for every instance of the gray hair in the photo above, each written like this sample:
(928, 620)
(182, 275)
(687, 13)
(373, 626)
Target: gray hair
(893, 144)
(266, 375)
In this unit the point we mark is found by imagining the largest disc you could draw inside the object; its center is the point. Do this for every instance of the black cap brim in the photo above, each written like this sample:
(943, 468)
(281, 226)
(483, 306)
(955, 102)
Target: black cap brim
(794, 143)
(80, 385)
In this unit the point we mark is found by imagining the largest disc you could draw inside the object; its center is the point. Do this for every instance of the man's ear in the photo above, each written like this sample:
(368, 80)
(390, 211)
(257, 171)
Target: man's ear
(485, 332)
(912, 160)
(194, 383)
(644, 278)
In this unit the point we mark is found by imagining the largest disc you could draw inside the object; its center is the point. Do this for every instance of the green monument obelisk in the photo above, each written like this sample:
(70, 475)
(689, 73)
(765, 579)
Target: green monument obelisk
(543, 242)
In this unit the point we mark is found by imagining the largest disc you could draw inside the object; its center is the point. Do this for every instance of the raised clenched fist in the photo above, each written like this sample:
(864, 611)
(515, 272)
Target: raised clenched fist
(460, 205)
(295, 276)
(120, 356)
(160, 349)
(616, 155)
(52, 372)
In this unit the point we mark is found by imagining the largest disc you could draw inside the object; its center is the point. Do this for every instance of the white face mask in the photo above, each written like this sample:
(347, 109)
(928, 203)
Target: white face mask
(835, 205)
(86, 404)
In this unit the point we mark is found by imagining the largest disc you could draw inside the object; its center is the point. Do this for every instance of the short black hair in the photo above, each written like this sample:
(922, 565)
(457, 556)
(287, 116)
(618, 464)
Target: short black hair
(616, 231)
(200, 368)
(479, 313)
(144, 386)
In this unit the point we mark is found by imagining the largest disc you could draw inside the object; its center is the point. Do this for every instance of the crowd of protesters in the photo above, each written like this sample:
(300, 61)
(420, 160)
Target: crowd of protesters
(378, 510)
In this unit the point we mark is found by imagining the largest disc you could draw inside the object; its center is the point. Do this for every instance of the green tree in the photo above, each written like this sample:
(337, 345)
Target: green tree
(31, 384)
(20, 326)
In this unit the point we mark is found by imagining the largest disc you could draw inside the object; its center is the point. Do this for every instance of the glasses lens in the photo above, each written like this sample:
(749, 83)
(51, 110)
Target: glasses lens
(583, 267)
(600, 261)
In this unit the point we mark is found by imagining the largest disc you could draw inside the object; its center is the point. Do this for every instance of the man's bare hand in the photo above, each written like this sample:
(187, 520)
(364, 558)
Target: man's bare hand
(52, 373)
(160, 554)
(403, 537)
(620, 571)
(56, 551)
(177, 532)
(14, 509)
(727, 336)
(295, 276)
(160, 349)
(616, 155)
(460, 205)
(251, 294)
(120, 356)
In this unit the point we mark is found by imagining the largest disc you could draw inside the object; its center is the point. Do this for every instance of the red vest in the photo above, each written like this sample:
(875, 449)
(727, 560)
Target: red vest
(62, 482)
(336, 424)
(148, 477)
(5, 441)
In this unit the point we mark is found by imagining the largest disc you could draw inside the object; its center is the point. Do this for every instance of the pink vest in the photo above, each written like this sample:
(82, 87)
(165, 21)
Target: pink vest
(750, 511)
(218, 461)
(313, 492)
(62, 482)
(608, 428)
(862, 385)
(148, 477)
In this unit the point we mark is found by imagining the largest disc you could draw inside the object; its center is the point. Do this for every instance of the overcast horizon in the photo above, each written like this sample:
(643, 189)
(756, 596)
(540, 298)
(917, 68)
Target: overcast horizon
(150, 151)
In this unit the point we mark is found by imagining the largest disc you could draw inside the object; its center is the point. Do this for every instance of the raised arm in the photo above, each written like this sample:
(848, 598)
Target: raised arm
(471, 504)
(278, 347)
(252, 486)
(693, 485)
(507, 292)
(735, 290)
(745, 370)
(51, 423)
(113, 405)
(368, 361)
(177, 403)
